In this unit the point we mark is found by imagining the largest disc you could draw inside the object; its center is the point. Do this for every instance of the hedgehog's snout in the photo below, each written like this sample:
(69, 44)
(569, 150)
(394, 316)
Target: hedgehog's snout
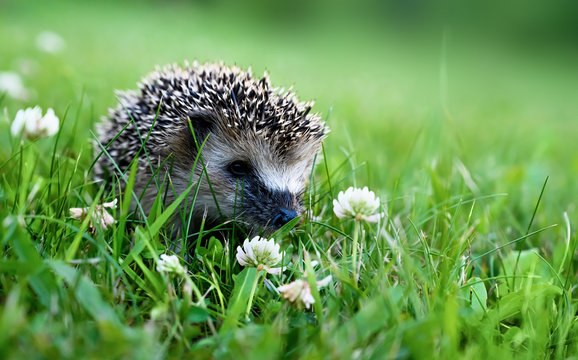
(285, 208)
(283, 217)
(271, 208)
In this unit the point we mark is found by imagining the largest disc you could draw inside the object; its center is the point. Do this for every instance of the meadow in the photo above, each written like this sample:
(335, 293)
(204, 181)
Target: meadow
(466, 135)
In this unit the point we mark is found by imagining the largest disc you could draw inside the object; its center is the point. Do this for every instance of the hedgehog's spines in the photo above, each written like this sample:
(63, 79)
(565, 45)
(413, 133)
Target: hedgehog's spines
(242, 102)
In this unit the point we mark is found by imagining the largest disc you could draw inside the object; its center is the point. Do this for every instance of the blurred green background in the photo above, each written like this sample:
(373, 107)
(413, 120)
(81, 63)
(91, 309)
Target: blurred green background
(441, 108)
(405, 85)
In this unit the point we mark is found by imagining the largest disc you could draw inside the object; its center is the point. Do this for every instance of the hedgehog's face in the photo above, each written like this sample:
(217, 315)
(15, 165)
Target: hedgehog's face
(251, 179)
(258, 197)
(253, 182)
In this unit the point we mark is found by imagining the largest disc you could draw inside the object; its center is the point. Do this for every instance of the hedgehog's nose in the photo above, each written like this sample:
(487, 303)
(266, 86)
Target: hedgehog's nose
(283, 217)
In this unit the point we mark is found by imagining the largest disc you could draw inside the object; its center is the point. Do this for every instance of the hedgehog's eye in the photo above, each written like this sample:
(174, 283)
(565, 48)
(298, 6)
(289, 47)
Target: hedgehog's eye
(239, 168)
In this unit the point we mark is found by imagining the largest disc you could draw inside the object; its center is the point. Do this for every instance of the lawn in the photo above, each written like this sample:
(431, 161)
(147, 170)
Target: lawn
(466, 134)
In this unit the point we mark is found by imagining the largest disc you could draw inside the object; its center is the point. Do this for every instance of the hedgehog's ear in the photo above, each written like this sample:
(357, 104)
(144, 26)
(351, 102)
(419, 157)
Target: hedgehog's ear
(199, 123)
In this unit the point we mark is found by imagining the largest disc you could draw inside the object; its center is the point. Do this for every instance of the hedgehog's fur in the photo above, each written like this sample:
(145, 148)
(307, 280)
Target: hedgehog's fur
(243, 120)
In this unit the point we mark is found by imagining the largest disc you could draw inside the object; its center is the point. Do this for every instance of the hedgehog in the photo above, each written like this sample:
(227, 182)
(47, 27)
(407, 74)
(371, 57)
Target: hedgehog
(257, 144)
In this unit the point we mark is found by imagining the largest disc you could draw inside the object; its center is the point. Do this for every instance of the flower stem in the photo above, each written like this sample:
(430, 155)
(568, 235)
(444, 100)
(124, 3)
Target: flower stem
(354, 250)
(253, 289)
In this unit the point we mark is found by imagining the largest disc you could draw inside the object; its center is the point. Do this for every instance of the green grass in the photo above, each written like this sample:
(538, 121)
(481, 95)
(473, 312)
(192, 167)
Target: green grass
(469, 144)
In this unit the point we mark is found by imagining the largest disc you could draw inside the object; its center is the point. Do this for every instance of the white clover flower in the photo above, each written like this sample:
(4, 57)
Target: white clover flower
(31, 124)
(261, 253)
(11, 84)
(358, 204)
(170, 264)
(50, 42)
(298, 292)
(325, 281)
(100, 216)
(313, 217)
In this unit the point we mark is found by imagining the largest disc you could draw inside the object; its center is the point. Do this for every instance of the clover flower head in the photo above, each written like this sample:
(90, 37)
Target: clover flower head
(30, 123)
(11, 84)
(50, 42)
(358, 204)
(99, 216)
(260, 253)
(298, 292)
(170, 264)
